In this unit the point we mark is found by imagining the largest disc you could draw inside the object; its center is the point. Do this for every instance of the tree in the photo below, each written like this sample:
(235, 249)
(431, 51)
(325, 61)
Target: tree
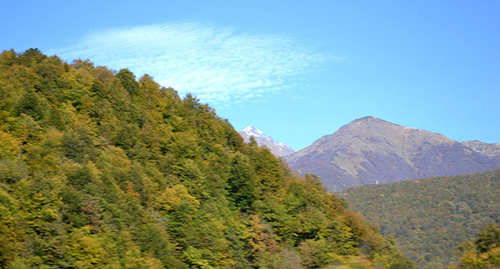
(242, 184)
(488, 238)
(30, 104)
(128, 81)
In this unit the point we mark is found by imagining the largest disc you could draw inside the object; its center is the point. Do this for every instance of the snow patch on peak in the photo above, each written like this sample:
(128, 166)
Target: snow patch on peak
(252, 131)
(249, 129)
(278, 149)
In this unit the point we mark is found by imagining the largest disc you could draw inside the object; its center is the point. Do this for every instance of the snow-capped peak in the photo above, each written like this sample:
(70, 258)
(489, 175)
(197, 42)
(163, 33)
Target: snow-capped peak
(278, 149)
(252, 131)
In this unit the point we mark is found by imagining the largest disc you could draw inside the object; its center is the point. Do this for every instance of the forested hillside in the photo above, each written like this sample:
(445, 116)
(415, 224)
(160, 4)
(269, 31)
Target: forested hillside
(431, 217)
(101, 170)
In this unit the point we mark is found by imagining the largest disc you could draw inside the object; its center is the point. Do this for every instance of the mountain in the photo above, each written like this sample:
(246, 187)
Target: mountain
(431, 217)
(276, 148)
(371, 151)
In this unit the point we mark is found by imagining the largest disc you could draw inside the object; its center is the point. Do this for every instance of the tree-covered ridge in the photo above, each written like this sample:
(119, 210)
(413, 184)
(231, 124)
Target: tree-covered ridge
(101, 170)
(431, 217)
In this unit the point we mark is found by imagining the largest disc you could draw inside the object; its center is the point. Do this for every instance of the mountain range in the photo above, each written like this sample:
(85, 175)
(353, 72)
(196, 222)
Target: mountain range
(372, 151)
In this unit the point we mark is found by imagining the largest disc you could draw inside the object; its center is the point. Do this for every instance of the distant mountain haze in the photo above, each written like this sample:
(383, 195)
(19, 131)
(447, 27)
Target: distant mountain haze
(276, 148)
(371, 151)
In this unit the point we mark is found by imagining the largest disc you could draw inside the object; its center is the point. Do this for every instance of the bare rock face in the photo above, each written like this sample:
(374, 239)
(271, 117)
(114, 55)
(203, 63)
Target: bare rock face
(276, 148)
(373, 151)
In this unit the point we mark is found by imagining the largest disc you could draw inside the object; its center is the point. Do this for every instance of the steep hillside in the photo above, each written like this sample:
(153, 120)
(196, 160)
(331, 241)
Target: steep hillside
(276, 148)
(99, 170)
(371, 151)
(431, 217)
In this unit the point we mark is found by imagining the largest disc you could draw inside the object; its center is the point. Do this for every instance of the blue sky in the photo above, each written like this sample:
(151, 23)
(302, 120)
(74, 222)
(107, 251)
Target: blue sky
(297, 70)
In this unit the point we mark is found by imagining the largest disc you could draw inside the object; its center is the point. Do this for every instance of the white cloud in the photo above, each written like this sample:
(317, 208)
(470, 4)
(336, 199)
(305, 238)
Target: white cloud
(216, 64)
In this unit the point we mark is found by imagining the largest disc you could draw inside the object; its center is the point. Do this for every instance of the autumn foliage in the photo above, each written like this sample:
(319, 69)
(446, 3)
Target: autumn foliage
(99, 169)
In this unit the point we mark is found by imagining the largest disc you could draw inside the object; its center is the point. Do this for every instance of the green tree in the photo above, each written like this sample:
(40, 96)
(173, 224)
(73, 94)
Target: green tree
(30, 104)
(128, 81)
(488, 238)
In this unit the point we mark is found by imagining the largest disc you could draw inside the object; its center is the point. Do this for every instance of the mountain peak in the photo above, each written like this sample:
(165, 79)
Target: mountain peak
(278, 149)
(252, 131)
(370, 120)
(367, 118)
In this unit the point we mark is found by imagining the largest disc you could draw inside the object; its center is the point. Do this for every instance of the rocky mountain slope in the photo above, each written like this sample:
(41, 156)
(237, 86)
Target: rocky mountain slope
(372, 151)
(489, 150)
(276, 148)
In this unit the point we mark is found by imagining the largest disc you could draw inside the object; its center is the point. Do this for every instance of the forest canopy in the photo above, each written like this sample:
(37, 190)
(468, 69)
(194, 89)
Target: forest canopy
(100, 169)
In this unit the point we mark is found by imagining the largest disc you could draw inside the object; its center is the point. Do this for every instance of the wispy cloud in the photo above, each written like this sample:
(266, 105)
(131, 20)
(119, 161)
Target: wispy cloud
(217, 64)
